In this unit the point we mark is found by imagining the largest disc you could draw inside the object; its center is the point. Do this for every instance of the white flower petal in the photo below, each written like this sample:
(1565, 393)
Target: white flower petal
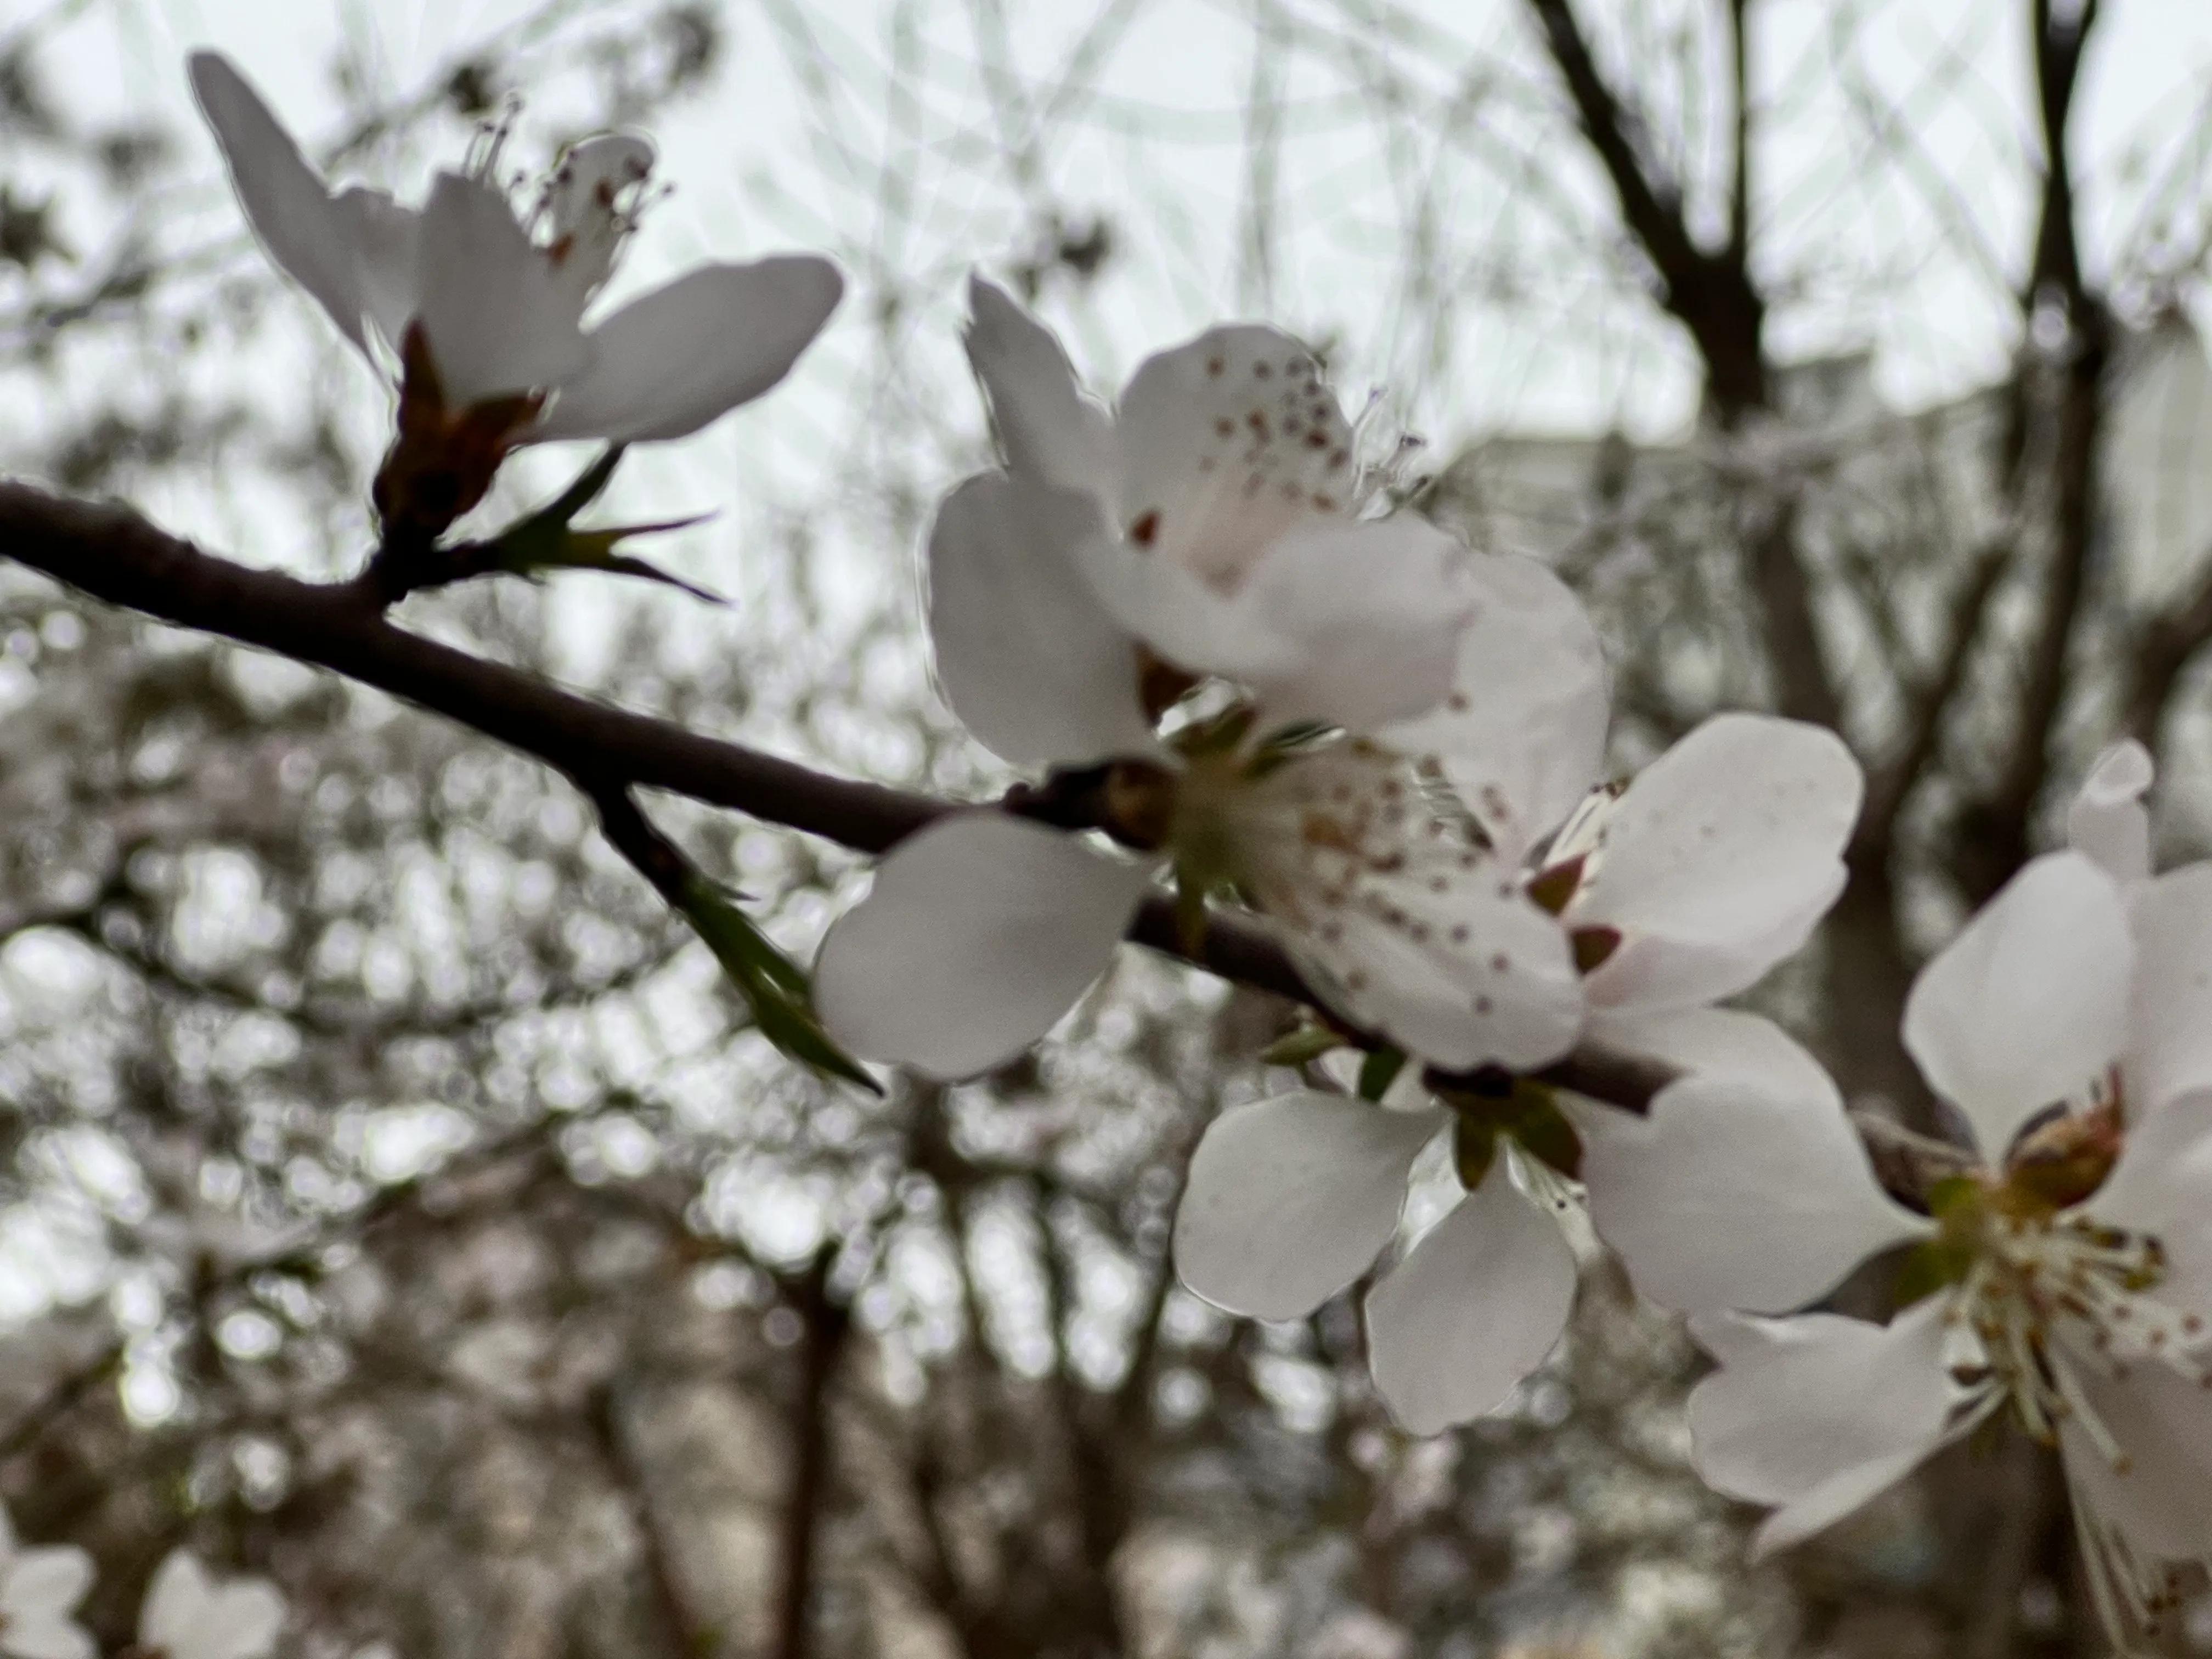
(492, 306)
(981, 931)
(1027, 658)
(2162, 1423)
(2170, 1038)
(1291, 1200)
(386, 240)
(1374, 612)
(2030, 1002)
(47, 1636)
(43, 1583)
(1720, 1043)
(1817, 1413)
(285, 200)
(1521, 736)
(672, 361)
(1733, 1197)
(2106, 820)
(1051, 431)
(1228, 443)
(1354, 624)
(1454, 963)
(1475, 1307)
(175, 1603)
(243, 1620)
(1720, 860)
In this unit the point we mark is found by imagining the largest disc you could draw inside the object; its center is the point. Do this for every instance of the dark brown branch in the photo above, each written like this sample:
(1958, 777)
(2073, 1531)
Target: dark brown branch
(824, 1324)
(112, 553)
(1739, 241)
(2076, 391)
(1710, 294)
(2164, 646)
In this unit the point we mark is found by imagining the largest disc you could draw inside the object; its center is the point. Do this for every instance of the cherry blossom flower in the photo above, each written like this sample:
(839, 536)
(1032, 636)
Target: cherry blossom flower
(1291, 1200)
(2068, 1266)
(190, 1614)
(1687, 886)
(40, 1589)
(481, 312)
(1186, 602)
(1682, 888)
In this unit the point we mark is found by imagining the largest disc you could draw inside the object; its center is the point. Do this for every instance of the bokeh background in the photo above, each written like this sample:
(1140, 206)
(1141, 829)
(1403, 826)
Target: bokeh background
(395, 1203)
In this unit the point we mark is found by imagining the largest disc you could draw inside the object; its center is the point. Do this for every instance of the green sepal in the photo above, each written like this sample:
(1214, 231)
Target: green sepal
(1544, 1130)
(1378, 1071)
(774, 987)
(1190, 891)
(1474, 1145)
(548, 540)
(1302, 1047)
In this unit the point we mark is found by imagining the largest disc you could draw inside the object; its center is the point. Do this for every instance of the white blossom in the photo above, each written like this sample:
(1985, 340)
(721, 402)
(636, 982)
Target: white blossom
(190, 1614)
(2068, 1268)
(40, 1589)
(495, 302)
(1190, 594)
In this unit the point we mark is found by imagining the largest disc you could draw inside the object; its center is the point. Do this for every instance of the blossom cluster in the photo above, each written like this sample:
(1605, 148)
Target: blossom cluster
(187, 1612)
(1246, 676)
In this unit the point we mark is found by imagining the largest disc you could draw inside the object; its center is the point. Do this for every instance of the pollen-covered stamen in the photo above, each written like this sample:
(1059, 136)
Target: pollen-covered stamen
(1337, 842)
(2048, 1294)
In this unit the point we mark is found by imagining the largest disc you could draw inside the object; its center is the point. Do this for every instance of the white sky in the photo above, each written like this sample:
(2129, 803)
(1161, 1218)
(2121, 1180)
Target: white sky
(1849, 242)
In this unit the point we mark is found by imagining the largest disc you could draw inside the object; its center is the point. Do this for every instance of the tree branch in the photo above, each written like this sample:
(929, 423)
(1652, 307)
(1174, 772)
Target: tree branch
(824, 1324)
(112, 553)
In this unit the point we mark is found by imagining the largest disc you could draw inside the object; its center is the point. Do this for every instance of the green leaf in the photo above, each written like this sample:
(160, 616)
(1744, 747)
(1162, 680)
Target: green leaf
(1299, 1048)
(774, 987)
(1378, 1071)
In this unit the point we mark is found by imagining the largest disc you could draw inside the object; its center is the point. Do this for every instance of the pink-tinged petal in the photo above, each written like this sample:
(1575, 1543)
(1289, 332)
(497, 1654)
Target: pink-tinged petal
(1521, 736)
(2029, 1004)
(1291, 1200)
(1733, 1197)
(1453, 963)
(2106, 820)
(1720, 860)
(285, 200)
(980, 932)
(492, 305)
(1229, 443)
(1818, 1413)
(1473, 1309)
(1050, 430)
(386, 240)
(686, 354)
(2170, 1035)
(1721, 1044)
(1026, 656)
